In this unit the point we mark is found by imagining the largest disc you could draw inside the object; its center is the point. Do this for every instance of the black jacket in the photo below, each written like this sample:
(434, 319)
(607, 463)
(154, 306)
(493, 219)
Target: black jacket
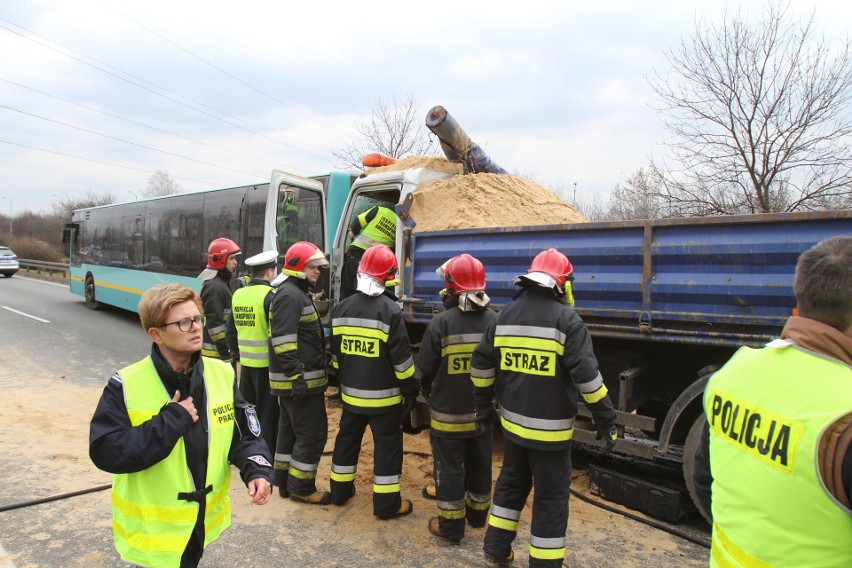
(297, 342)
(117, 447)
(539, 384)
(444, 365)
(216, 300)
(371, 350)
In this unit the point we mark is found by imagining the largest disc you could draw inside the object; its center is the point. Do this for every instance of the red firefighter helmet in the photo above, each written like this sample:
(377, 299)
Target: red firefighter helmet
(463, 273)
(379, 262)
(219, 251)
(554, 264)
(300, 255)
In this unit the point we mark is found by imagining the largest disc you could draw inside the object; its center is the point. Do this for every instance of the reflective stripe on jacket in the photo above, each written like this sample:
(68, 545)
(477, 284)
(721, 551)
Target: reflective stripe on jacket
(537, 354)
(767, 410)
(250, 319)
(370, 349)
(378, 227)
(296, 343)
(444, 363)
(151, 523)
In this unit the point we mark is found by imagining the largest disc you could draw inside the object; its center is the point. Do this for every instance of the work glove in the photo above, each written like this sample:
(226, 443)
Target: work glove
(408, 404)
(407, 421)
(485, 419)
(608, 435)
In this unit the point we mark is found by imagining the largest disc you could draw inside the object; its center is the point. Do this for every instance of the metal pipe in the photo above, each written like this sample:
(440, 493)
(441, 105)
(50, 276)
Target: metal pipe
(457, 145)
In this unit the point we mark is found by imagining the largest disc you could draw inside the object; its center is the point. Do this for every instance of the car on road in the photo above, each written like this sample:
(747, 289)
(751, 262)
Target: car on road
(8, 262)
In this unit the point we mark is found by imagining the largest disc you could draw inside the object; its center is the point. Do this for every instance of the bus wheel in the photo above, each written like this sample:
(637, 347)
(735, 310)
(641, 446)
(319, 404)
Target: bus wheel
(690, 448)
(91, 302)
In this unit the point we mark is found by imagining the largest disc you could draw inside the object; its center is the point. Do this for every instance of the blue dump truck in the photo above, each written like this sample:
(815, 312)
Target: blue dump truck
(667, 301)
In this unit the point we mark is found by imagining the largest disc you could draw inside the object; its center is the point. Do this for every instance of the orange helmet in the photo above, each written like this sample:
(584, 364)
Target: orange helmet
(219, 251)
(463, 273)
(379, 262)
(300, 255)
(554, 264)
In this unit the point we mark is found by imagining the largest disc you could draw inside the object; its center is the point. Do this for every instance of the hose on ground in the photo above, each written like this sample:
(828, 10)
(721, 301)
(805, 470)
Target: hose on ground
(59, 497)
(581, 496)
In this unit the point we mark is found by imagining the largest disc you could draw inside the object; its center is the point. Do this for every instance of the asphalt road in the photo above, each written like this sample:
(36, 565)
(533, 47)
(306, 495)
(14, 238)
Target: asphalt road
(55, 357)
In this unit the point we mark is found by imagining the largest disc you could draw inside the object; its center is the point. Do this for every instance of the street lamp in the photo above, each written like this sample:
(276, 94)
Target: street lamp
(133, 194)
(10, 214)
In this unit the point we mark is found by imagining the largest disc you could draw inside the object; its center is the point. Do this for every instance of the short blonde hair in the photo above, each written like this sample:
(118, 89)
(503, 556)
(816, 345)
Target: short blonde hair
(157, 301)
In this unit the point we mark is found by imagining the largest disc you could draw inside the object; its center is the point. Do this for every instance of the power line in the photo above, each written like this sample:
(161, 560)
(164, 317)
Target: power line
(160, 94)
(125, 141)
(154, 128)
(223, 71)
(101, 161)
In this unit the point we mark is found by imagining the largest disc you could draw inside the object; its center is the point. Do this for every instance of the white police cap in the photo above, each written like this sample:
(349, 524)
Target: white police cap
(267, 257)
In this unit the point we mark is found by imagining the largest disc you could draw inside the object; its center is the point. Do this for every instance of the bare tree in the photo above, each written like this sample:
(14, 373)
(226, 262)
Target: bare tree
(161, 183)
(64, 205)
(759, 116)
(396, 129)
(640, 196)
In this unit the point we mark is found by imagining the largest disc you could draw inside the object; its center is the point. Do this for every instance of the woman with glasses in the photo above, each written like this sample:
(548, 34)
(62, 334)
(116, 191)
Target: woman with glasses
(167, 428)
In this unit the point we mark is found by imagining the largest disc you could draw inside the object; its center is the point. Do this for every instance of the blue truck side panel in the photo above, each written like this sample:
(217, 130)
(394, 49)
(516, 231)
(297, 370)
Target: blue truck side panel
(720, 280)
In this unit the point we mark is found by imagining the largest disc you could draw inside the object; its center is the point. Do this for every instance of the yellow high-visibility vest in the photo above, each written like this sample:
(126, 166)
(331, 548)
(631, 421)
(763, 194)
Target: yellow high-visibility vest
(767, 410)
(151, 524)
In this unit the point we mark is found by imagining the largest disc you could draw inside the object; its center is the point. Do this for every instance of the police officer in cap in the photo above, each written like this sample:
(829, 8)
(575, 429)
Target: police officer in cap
(248, 338)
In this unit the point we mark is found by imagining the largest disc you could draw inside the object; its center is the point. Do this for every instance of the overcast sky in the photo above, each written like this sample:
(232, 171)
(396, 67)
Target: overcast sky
(98, 95)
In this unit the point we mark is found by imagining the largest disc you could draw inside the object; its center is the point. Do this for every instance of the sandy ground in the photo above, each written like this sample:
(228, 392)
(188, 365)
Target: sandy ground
(45, 452)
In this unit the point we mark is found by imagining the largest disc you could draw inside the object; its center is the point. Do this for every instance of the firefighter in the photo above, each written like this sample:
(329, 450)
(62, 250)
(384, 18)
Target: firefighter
(167, 427)
(538, 354)
(216, 293)
(370, 349)
(375, 226)
(778, 448)
(297, 375)
(248, 337)
(461, 447)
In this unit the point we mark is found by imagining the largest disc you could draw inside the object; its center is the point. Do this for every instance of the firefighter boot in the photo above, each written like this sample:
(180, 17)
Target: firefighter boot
(430, 492)
(500, 560)
(404, 509)
(315, 498)
(282, 490)
(435, 529)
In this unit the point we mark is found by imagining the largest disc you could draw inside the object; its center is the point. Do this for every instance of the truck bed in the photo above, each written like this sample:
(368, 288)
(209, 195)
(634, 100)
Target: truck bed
(723, 281)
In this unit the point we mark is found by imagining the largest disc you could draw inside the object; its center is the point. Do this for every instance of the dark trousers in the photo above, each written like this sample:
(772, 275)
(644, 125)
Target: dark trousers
(302, 433)
(462, 480)
(551, 471)
(349, 275)
(387, 458)
(254, 384)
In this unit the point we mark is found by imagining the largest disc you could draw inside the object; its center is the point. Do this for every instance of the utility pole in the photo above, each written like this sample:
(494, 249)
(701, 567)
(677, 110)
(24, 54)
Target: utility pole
(10, 214)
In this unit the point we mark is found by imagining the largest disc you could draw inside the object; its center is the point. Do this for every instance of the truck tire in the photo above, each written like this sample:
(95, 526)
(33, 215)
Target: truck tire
(91, 302)
(690, 448)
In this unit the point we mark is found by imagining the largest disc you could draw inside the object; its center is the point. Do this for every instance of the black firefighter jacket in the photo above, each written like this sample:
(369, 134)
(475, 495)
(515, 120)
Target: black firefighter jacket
(296, 343)
(538, 355)
(371, 350)
(444, 364)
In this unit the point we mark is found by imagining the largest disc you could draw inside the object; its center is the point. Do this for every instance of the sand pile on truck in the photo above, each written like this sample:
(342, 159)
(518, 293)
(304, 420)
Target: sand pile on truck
(481, 200)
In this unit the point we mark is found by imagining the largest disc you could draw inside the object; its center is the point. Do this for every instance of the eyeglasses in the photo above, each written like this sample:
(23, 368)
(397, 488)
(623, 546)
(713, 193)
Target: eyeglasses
(186, 323)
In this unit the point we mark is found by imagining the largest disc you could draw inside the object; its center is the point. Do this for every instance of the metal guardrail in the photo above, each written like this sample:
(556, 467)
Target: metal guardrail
(40, 266)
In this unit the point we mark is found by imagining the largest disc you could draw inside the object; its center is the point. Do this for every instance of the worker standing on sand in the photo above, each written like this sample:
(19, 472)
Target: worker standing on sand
(297, 375)
(371, 350)
(461, 446)
(538, 354)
